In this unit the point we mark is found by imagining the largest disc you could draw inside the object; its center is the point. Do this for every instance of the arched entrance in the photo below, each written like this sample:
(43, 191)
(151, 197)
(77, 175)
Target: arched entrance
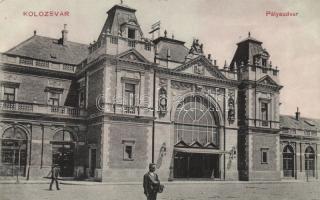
(288, 161)
(13, 152)
(196, 138)
(310, 162)
(63, 152)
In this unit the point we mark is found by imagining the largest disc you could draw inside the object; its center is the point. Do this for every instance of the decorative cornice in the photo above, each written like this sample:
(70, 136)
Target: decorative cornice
(226, 82)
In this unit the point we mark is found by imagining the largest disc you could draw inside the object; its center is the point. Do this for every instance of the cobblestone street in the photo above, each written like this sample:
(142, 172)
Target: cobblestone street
(173, 191)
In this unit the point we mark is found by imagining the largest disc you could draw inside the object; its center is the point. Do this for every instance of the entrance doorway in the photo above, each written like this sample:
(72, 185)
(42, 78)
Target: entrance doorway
(288, 161)
(194, 165)
(63, 153)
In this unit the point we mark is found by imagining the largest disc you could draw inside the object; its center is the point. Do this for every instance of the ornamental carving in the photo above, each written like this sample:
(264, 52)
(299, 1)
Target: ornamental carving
(181, 85)
(231, 106)
(163, 101)
(196, 47)
(198, 68)
(163, 82)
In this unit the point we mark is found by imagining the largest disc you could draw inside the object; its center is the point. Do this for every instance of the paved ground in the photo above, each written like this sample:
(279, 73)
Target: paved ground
(188, 191)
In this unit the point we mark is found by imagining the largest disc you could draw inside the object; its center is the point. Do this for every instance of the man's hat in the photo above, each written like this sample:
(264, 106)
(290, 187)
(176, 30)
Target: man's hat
(151, 164)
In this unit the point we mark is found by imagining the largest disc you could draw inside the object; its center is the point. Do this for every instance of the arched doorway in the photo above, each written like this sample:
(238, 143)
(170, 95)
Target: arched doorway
(13, 152)
(63, 152)
(310, 161)
(288, 161)
(196, 134)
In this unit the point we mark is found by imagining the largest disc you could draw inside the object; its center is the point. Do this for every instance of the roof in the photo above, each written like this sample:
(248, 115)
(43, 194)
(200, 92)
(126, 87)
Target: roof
(49, 49)
(122, 6)
(178, 51)
(255, 49)
(303, 123)
(168, 40)
(249, 38)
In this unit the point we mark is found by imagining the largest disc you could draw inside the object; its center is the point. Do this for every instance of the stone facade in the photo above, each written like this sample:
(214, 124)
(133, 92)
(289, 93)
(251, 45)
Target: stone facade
(126, 101)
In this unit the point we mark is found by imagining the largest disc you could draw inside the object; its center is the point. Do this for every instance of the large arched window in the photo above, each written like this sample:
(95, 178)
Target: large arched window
(63, 135)
(196, 122)
(310, 161)
(13, 151)
(288, 161)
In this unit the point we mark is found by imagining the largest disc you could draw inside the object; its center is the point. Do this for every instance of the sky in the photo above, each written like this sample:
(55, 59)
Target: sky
(293, 42)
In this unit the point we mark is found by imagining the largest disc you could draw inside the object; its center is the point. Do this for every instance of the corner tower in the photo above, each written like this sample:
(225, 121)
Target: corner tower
(258, 136)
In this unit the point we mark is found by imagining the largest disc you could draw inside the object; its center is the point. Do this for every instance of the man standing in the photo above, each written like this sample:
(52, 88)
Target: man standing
(55, 171)
(151, 183)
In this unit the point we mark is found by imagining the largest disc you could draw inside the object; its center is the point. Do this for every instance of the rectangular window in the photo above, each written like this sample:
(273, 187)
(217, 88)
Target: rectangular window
(9, 93)
(264, 62)
(129, 98)
(132, 43)
(81, 99)
(129, 93)
(147, 46)
(53, 99)
(113, 40)
(128, 152)
(128, 149)
(264, 156)
(275, 72)
(131, 33)
(264, 113)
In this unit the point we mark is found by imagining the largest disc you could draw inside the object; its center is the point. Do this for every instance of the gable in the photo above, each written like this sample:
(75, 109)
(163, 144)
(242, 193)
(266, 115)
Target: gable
(267, 80)
(195, 144)
(133, 56)
(200, 66)
(181, 144)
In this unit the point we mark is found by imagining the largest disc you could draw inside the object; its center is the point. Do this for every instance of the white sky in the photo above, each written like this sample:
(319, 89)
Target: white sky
(293, 42)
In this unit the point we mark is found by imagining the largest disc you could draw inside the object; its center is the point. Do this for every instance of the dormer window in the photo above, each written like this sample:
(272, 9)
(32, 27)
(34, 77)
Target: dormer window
(264, 62)
(131, 33)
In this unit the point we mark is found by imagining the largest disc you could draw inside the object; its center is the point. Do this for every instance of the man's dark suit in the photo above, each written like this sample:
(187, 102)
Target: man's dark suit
(151, 185)
(55, 171)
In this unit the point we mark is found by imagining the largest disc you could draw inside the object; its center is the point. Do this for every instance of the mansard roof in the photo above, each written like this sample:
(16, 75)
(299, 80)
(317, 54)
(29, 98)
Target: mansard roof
(249, 38)
(178, 51)
(50, 49)
(303, 123)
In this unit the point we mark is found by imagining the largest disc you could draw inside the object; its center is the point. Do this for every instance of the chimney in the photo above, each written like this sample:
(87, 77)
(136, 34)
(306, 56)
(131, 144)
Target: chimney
(64, 32)
(298, 114)
(35, 32)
